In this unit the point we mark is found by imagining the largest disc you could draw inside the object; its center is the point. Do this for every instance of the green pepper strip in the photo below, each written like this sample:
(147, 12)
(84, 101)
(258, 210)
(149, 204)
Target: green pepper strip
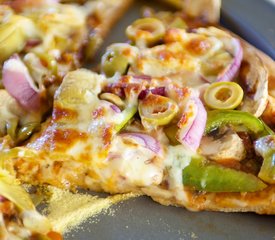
(265, 146)
(219, 118)
(125, 116)
(208, 177)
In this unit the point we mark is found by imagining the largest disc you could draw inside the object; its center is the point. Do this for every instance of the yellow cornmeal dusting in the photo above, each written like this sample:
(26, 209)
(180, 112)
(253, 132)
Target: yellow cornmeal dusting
(68, 210)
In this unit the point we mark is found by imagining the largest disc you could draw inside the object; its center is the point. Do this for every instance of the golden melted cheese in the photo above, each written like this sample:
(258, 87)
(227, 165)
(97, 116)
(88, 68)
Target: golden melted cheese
(185, 57)
(61, 27)
(79, 145)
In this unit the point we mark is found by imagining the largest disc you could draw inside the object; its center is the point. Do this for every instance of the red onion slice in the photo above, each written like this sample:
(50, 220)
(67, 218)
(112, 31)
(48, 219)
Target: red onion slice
(115, 108)
(231, 70)
(144, 140)
(191, 133)
(32, 43)
(143, 77)
(157, 91)
(20, 85)
(234, 47)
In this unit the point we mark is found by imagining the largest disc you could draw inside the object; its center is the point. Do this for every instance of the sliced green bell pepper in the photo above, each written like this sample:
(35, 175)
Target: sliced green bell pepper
(208, 177)
(219, 118)
(124, 117)
(265, 146)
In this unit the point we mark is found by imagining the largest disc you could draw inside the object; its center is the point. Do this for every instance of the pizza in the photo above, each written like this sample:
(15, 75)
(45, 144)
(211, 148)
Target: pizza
(40, 42)
(18, 217)
(183, 112)
(175, 114)
(202, 9)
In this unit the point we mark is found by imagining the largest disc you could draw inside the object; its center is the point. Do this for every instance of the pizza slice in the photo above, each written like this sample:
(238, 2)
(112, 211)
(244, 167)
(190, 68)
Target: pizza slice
(175, 114)
(204, 9)
(40, 42)
(18, 217)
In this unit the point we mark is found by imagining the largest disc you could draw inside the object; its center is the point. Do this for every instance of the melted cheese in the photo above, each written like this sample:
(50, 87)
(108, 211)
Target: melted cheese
(177, 159)
(61, 27)
(80, 146)
(185, 58)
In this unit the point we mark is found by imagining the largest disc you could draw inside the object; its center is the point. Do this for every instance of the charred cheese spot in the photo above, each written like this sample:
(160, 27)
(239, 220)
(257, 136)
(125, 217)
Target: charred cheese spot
(57, 167)
(58, 139)
(174, 35)
(183, 120)
(67, 138)
(198, 46)
(127, 52)
(182, 93)
(94, 20)
(60, 114)
(98, 113)
(107, 135)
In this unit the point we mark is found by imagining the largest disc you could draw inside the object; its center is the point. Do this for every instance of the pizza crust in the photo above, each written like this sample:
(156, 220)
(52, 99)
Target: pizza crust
(260, 202)
(208, 10)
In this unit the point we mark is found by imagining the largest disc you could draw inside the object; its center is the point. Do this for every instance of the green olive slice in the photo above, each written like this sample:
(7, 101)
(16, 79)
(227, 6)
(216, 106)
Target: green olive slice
(223, 95)
(117, 59)
(156, 110)
(146, 31)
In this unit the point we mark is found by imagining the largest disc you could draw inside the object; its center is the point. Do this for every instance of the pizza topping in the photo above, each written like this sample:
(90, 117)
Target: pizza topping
(192, 123)
(21, 220)
(204, 176)
(10, 189)
(208, 53)
(20, 85)
(15, 119)
(237, 119)
(19, 134)
(231, 70)
(143, 140)
(135, 160)
(61, 27)
(146, 31)
(15, 31)
(156, 110)
(117, 59)
(223, 95)
(157, 91)
(253, 78)
(113, 99)
(126, 115)
(225, 148)
(26, 131)
(232, 46)
(266, 148)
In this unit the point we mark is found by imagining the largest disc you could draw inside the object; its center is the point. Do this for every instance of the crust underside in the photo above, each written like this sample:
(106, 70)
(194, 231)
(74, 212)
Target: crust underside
(262, 202)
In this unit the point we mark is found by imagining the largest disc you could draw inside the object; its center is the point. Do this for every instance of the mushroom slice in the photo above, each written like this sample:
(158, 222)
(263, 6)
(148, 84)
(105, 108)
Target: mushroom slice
(254, 80)
(229, 147)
